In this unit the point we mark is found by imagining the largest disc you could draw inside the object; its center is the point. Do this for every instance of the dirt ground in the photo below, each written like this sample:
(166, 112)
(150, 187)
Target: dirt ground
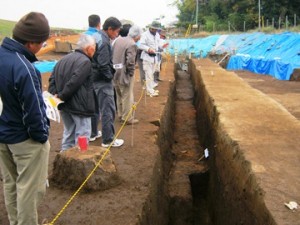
(135, 160)
(287, 93)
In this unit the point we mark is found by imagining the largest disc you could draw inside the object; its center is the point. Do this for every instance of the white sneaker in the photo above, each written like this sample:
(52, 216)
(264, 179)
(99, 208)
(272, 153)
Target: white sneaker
(115, 144)
(99, 135)
(154, 94)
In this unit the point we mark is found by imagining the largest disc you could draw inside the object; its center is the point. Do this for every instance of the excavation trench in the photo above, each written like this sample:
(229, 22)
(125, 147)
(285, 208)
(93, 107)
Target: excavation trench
(253, 146)
(254, 153)
(181, 175)
(206, 111)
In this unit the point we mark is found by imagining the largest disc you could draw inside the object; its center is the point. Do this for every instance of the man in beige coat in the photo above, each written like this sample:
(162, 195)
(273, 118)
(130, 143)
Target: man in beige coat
(124, 59)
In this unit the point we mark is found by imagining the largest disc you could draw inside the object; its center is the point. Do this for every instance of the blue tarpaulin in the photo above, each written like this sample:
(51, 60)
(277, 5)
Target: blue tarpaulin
(45, 66)
(198, 47)
(274, 54)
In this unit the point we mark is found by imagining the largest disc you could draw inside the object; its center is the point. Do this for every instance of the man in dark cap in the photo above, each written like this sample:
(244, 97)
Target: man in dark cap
(24, 126)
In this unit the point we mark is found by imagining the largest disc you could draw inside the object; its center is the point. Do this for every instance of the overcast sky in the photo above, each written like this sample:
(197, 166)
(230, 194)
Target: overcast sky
(74, 14)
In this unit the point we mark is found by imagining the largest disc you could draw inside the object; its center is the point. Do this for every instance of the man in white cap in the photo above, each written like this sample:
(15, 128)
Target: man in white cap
(150, 43)
(24, 126)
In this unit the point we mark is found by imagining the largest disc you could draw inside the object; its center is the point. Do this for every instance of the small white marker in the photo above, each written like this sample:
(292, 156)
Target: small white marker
(206, 153)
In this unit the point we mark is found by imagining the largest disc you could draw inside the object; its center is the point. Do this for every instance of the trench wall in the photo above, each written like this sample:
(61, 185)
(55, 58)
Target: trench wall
(156, 207)
(234, 123)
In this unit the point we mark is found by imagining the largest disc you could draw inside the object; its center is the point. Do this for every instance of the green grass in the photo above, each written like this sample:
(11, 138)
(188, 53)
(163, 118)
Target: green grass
(6, 28)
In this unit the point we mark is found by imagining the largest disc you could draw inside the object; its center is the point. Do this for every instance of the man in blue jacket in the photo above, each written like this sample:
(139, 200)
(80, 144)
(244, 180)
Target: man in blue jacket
(103, 73)
(93, 30)
(24, 126)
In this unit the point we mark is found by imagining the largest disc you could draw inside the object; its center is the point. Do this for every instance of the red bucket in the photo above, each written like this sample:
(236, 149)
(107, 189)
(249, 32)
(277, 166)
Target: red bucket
(82, 143)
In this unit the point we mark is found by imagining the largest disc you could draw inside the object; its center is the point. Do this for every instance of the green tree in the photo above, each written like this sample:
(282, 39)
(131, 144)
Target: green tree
(186, 12)
(219, 12)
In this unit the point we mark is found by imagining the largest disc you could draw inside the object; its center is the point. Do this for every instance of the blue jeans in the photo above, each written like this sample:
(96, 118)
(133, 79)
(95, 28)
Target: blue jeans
(74, 126)
(107, 108)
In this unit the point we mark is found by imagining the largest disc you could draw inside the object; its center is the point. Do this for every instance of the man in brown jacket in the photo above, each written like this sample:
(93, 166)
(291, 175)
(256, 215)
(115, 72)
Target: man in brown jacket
(124, 59)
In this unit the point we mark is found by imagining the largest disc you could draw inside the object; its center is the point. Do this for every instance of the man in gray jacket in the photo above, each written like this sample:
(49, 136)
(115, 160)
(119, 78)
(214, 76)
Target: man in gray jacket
(71, 81)
(124, 59)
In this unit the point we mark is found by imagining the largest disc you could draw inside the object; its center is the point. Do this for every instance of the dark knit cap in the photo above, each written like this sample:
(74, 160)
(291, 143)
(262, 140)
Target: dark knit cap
(33, 27)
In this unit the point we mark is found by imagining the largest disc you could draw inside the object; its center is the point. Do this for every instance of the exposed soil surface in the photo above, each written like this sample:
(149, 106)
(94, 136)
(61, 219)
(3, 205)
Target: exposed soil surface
(135, 160)
(253, 140)
(286, 93)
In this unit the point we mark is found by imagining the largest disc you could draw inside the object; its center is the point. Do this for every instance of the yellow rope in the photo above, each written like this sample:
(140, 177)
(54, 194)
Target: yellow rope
(188, 31)
(134, 106)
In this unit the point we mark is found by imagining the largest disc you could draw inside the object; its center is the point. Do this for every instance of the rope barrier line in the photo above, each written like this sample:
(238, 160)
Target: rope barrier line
(133, 108)
(132, 131)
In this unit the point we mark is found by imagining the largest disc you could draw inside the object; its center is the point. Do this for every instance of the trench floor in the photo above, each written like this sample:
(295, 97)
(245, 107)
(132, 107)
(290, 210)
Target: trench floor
(188, 176)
